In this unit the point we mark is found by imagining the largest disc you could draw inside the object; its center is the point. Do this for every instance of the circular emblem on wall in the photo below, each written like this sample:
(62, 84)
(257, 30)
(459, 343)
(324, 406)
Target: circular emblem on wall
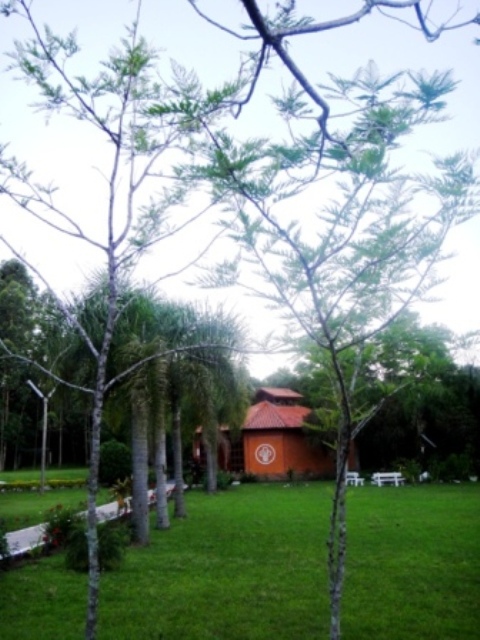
(265, 454)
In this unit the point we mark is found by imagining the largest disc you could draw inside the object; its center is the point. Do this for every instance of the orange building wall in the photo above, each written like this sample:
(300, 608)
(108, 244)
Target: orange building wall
(273, 453)
(256, 446)
(302, 457)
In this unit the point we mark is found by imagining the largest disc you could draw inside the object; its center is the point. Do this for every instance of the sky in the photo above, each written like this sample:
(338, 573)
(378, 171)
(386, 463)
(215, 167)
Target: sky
(73, 157)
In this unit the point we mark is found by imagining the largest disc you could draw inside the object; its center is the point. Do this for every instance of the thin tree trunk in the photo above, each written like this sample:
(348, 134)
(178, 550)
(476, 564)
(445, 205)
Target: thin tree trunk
(92, 534)
(60, 438)
(87, 439)
(3, 442)
(140, 511)
(337, 540)
(163, 520)
(15, 455)
(98, 400)
(178, 495)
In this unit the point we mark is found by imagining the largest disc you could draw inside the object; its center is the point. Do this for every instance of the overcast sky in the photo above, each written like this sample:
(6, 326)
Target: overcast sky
(70, 155)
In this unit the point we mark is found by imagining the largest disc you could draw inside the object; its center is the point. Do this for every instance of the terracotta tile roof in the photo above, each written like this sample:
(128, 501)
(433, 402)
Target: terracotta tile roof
(265, 415)
(278, 392)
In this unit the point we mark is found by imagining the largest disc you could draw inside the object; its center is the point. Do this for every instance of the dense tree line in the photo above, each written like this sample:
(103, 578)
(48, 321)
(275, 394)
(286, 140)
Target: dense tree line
(429, 404)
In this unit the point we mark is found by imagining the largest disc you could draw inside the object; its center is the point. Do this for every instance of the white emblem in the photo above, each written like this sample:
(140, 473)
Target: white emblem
(265, 454)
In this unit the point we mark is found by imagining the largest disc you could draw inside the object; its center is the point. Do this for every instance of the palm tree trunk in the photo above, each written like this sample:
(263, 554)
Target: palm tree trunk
(163, 520)
(210, 442)
(178, 495)
(140, 512)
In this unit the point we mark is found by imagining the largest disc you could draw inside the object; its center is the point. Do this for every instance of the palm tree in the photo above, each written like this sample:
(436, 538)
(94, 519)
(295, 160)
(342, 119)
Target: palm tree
(217, 394)
(146, 392)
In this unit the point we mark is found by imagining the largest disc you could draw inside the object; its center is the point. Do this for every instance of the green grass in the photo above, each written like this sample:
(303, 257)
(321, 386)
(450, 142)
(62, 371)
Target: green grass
(53, 473)
(27, 508)
(19, 510)
(249, 564)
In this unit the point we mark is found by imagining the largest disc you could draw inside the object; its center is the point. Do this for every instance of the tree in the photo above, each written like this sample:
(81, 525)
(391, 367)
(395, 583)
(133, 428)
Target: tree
(114, 105)
(343, 273)
(207, 384)
(18, 314)
(405, 372)
(277, 27)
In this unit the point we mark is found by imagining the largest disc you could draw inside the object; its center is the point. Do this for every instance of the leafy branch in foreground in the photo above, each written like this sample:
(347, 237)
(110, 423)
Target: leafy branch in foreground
(281, 25)
(364, 246)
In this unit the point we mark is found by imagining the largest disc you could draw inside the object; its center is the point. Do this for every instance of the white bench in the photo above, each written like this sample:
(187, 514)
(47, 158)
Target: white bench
(353, 478)
(393, 477)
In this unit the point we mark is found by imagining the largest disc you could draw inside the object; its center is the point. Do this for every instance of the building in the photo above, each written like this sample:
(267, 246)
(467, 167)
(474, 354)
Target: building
(274, 441)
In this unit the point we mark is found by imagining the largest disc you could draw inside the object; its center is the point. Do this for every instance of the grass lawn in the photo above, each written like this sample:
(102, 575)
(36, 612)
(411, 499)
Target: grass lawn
(53, 473)
(19, 510)
(249, 564)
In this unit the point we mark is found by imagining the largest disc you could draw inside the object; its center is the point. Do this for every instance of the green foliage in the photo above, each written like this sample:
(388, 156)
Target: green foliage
(410, 469)
(113, 538)
(457, 466)
(115, 462)
(60, 521)
(4, 548)
(224, 480)
(52, 483)
(121, 490)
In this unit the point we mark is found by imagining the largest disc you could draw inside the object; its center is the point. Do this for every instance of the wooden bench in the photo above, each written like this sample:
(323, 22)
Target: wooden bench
(393, 477)
(353, 478)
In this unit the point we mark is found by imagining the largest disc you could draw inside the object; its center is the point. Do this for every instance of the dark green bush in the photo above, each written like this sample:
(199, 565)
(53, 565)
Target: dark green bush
(246, 478)
(224, 480)
(455, 467)
(410, 469)
(34, 485)
(113, 538)
(115, 462)
(4, 548)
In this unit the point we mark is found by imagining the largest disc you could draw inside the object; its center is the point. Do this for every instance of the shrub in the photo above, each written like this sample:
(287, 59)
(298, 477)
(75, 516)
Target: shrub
(113, 538)
(120, 491)
(410, 469)
(59, 524)
(246, 478)
(455, 467)
(115, 462)
(4, 548)
(224, 480)
(33, 485)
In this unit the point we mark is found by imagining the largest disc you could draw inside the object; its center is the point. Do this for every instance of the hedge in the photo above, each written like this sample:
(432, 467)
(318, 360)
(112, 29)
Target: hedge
(34, 485)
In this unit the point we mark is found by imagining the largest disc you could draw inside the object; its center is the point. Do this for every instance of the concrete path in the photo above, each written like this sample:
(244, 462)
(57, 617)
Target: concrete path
(24, 540)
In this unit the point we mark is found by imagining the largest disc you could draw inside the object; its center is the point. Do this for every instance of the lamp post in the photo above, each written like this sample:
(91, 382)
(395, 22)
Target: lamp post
(45, 399)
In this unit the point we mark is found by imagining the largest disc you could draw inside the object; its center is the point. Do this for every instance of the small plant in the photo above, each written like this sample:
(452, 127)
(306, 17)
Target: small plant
(113, 538)
(410, 469)
(59, 523)
(121, 490)
(224, 480)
